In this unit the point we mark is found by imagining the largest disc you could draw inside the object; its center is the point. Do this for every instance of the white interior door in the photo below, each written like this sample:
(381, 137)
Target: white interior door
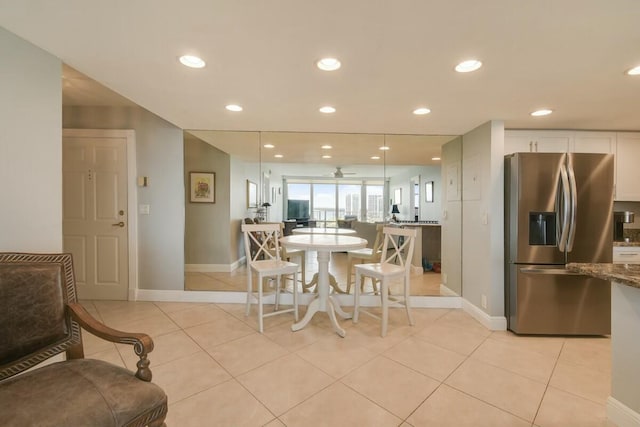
(95, 214)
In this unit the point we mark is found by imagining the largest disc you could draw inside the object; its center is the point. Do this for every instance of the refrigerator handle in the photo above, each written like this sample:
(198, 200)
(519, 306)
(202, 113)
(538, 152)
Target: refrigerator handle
(564, 220)
(551, 271)
(574, 206)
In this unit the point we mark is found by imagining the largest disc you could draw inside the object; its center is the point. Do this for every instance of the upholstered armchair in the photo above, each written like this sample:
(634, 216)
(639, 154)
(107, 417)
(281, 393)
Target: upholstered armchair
(40, 318)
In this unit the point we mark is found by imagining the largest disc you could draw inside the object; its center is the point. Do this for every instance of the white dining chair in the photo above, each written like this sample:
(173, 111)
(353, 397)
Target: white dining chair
(266, 262)
(395, 263)
(360, 256)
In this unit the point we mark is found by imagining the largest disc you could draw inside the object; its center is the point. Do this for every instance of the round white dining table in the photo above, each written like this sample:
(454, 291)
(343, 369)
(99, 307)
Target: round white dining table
(324, 244)
(323, 230)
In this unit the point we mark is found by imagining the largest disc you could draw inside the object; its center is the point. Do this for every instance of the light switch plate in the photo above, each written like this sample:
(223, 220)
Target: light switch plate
(143, 209)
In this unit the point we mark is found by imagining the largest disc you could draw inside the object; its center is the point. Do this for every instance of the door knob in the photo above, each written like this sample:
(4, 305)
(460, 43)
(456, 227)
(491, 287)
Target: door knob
(119, 224)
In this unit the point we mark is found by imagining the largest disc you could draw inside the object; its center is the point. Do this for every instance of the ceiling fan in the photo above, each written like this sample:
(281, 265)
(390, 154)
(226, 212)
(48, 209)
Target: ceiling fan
(339, 174)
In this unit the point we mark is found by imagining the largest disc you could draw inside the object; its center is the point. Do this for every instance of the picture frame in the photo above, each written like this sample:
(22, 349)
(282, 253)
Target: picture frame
(428, 192)
(252, 194)
(397, 196)
(202, 187)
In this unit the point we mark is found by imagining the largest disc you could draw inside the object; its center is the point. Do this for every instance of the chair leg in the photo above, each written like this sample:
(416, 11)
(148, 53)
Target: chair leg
(249, 292)
(350, 265)
(384, 295)
(407, 299)
(302, 268)
(260, 309)
(278, 284)
(295, 296)
(356, 298)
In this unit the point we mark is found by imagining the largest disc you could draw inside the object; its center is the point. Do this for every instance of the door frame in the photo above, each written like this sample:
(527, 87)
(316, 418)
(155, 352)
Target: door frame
(132, 194)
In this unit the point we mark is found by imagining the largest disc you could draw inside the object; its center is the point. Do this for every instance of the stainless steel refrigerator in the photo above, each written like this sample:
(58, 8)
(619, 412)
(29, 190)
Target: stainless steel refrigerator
(558, 209)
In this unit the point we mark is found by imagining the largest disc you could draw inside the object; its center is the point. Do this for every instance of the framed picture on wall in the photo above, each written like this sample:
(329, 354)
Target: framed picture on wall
(252, 194)
(397, 196)
(202, 187)
(428, 191)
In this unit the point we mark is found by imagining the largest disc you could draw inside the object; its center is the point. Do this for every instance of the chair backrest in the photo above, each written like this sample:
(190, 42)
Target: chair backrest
(34, 321)
(265, 240)
(398, 246)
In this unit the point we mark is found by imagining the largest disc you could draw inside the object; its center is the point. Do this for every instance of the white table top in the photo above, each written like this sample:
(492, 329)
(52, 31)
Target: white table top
(323, 242)
(322, 230)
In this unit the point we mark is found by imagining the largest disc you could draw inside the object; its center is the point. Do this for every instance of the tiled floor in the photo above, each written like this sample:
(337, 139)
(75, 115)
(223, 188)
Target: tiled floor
(447, 370)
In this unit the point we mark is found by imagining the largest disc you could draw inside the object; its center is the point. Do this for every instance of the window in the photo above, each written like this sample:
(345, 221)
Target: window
(324, 205)
(349, 200)
(330, 201)
(375, 207)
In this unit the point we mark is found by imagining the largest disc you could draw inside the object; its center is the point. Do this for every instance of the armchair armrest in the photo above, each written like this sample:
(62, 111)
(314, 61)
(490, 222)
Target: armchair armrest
(142, 343)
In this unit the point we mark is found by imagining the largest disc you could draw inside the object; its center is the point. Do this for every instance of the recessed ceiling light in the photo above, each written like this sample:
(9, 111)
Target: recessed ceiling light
(468, 66)
(233, 107)
(278, 156)
(384, 148)
(635, 71)
(328, 64)
(326, 147)
(327, 109)
(542, 112)
(435, 158)
(268, 145)
(326, 156)
(421, 111)
(375, 157)
(192, 61)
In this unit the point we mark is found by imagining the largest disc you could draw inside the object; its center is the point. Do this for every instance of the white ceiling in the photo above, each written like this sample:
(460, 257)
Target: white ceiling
(567, 55)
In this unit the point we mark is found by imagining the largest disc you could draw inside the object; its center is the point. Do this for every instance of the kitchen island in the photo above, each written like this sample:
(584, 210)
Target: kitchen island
(623, 406)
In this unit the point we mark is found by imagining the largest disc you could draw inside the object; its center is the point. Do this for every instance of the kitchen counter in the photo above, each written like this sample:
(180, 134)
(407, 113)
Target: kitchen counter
(625, 274)
(623, 406)
(626, 244)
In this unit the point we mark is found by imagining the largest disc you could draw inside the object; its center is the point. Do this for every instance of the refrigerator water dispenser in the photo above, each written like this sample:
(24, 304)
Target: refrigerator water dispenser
(542, 228)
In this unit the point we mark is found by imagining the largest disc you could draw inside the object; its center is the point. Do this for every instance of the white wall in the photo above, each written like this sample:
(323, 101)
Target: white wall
(483, 217)
(159, 156)
(240, 172)
(428, 211)
(30, 147)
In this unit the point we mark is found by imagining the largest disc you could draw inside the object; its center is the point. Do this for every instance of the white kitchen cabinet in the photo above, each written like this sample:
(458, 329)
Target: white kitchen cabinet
(626, 254)
(628, 166)
(544, 141)
(593, 142)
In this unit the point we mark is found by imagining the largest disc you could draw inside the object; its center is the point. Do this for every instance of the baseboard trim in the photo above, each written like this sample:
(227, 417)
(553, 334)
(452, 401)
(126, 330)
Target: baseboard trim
(213, 268)
(230, 297)
(620, 414)
(493, 323)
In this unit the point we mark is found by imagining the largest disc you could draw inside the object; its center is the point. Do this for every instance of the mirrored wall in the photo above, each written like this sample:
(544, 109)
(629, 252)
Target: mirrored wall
(325, 177)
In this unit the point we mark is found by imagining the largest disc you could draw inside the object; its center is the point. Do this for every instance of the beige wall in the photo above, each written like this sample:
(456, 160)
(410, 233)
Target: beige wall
(483, 217)
(30, 147)
(207, 234)
(159, 156)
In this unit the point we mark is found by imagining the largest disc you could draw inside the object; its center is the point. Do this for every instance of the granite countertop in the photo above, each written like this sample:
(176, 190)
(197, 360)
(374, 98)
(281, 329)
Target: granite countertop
(625, 274)
(625, 244)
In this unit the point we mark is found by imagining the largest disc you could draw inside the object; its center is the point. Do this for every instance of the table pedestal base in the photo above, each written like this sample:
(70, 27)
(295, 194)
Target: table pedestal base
(314, 282)
(323, 302)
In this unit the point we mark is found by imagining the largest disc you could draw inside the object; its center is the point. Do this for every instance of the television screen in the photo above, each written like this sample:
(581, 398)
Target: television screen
(298, 209)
